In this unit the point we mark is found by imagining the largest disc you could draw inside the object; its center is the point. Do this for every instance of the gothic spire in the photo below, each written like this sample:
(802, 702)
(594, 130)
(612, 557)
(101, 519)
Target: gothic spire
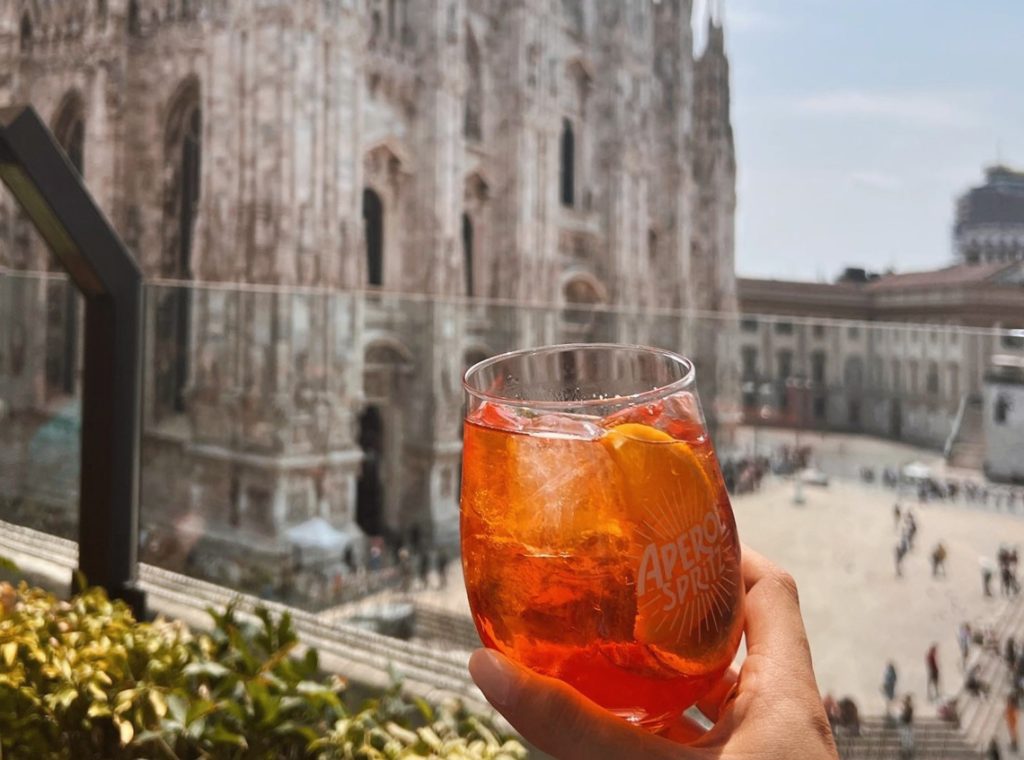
(716, 14)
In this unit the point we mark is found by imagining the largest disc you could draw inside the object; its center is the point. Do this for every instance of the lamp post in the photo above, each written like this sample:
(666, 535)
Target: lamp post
(800, 387)
(762, 402)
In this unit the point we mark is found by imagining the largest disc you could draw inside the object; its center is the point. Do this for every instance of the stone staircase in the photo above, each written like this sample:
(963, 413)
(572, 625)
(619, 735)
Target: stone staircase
(981, 718)
(965, 447)
(880, 740)
(451, 629)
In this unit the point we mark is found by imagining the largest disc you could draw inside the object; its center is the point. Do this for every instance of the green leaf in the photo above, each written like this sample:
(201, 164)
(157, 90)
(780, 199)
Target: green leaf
(196, 728)
(424, 709)
(159, 703)
(99, 710)
(65, 697)
(312, 688)
(290, 727)
(199, 709)
(178, 707)
(429, 738)
(312, 661)
(79, 673)
(208, 669)
(125, 730)
(221, 735)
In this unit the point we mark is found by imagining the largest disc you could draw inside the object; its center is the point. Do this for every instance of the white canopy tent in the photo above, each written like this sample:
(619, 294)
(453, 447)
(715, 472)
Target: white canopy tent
(917, 471)
(318, 534)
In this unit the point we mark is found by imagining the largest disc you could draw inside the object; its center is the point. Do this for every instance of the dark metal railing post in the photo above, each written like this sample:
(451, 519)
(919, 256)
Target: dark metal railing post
(44, 182)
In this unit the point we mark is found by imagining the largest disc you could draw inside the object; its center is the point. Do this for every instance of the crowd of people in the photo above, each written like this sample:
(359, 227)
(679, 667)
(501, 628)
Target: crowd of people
(949, 489)
(844, 715)
(1009, 584)
(1007, 557)
(324, 582)
(1008, 688)
(744, 474)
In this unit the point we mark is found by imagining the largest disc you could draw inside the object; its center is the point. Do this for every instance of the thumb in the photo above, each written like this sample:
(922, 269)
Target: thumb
(560, 721)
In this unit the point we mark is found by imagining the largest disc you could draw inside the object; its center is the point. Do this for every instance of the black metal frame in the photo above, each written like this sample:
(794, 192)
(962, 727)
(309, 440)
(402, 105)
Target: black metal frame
(44, 182)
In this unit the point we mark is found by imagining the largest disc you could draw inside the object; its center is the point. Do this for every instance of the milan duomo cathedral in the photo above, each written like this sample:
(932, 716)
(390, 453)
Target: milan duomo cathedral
(365, 197)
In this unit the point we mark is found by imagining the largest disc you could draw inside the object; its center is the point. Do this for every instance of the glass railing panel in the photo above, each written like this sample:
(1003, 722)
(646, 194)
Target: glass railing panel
(41, 335)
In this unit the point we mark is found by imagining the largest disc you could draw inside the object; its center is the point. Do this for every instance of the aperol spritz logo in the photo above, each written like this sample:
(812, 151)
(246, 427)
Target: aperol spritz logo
(685, 574)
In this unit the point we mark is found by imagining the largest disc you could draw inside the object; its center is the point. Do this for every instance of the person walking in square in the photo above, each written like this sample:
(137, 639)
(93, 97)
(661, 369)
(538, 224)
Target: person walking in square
(986, 578)
(442, 568)
(889, 679)
(1012, 716)
(907, 727)
(932, 662)
(911, 528)
(939, 560)
(963, 640)
(901, 552)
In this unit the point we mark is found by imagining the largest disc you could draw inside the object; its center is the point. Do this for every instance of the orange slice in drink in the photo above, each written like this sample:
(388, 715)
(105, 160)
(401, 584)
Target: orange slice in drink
(684, 552)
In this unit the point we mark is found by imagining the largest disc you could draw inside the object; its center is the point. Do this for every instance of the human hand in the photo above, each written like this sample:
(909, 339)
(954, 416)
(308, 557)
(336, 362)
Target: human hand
(770, 709)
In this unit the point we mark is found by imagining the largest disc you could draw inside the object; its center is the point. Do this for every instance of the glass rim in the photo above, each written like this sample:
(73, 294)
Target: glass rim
(633, 399)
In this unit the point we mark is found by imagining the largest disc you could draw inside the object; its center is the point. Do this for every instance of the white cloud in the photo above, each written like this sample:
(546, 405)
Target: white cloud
(920, 109)
(875, 180)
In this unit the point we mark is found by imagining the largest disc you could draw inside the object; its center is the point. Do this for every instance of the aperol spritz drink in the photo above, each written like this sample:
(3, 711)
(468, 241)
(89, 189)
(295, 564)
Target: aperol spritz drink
(598, 542)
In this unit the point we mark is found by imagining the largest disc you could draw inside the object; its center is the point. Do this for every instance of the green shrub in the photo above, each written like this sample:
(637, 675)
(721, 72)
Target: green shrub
(83, 679)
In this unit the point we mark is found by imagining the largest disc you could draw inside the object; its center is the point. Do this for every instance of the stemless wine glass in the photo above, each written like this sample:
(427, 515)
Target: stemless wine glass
(598, 542)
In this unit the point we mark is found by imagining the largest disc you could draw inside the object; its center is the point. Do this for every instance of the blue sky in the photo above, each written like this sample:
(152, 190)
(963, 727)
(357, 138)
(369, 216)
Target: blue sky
(858, 122)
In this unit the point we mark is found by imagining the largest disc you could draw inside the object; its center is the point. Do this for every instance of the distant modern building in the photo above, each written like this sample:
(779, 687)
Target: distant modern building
(815, 359)
(990, 219)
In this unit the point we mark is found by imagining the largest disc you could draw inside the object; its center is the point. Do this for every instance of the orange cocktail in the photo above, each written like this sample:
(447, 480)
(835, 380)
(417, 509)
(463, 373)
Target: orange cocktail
(598, 541)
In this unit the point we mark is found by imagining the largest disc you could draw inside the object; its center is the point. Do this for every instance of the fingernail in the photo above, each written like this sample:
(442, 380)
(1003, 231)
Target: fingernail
(493, 675)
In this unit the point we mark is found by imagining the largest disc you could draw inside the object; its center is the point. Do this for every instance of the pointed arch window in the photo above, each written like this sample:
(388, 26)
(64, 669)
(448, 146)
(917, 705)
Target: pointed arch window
(134, 19)
(467, 253)
(567, 162)
(373, 222)
(183, 159)
(472, 126)
(62, 323)
(26, 32)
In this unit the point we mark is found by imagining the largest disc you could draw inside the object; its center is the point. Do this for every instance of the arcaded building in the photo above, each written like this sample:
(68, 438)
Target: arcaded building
(363, 196)
(902, 356)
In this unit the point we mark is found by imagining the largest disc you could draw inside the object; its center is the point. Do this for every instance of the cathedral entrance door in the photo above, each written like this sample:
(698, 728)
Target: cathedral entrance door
(370, 486)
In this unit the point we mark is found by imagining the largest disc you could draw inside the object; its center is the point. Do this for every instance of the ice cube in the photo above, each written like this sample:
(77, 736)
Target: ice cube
(499, 417)
(578, 427)
(678, 415)
(642, 414)
(682, 418)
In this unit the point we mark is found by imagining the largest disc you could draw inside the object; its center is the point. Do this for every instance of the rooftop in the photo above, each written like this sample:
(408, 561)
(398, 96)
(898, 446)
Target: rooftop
(996, 273)
(959, 274)
(999, 201)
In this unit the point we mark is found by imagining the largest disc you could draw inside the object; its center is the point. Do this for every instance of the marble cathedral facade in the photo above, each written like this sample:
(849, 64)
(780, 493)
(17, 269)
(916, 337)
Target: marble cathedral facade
(365, 196)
